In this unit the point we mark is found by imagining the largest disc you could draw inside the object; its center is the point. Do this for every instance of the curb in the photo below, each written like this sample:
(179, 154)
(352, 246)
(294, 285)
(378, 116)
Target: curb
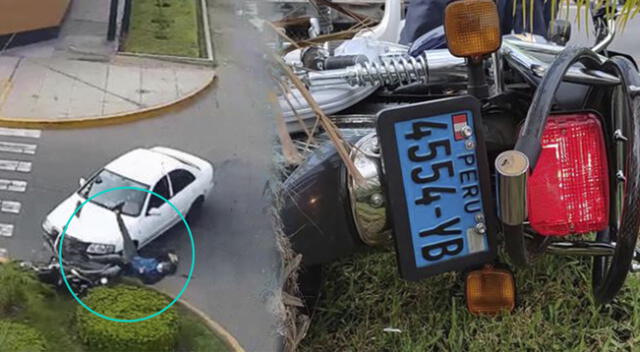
(204, 7)
(222, 333)
(94, 121)
(226, 337)
(179, 59)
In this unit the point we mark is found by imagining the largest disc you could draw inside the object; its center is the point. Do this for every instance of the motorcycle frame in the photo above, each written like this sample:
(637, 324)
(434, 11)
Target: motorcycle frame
(524, 57)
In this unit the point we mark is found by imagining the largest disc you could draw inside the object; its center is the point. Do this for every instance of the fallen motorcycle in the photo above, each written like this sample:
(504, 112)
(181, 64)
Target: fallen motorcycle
(83, 271)
(80, 276)
(497, 141)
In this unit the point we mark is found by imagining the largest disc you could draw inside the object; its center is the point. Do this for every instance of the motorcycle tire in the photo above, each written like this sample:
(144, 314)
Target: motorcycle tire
(610, 273)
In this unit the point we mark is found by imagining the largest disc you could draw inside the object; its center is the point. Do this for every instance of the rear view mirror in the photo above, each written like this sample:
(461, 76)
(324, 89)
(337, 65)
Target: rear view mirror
(82, 181)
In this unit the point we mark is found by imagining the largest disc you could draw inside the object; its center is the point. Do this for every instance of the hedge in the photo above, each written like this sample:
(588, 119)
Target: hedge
(20, 288)
(16, 337)
(157, 334)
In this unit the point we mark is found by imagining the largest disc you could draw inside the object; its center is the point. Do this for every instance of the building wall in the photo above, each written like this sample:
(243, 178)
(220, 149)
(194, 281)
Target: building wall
(18, 16)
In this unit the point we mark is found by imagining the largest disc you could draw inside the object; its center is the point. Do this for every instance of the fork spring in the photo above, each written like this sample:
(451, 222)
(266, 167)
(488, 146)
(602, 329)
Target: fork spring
(391, 71)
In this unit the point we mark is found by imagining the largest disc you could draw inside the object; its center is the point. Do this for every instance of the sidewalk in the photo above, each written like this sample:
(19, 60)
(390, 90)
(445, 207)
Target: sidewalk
(57, 88)
(79, 75)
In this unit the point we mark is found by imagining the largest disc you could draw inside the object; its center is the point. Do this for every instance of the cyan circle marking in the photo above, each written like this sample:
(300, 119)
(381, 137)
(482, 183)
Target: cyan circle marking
(184, 288)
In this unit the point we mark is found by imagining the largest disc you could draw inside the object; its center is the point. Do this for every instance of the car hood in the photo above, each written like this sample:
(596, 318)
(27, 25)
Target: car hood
(95, 224)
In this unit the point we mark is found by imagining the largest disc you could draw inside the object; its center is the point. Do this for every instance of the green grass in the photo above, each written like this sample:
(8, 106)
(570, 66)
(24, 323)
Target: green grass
(364, 294)
(164, 30)
(52, 314)
(54, 319)
(195, 336)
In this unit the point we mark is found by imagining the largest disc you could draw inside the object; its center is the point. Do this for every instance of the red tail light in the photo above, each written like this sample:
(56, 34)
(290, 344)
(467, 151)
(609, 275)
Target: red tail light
(568, 192)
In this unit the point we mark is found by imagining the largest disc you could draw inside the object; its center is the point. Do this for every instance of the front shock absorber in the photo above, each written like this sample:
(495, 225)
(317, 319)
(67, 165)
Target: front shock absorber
(400, 70)
(432, 66)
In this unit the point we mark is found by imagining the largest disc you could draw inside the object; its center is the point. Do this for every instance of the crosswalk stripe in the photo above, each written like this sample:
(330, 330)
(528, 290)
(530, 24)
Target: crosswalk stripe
(15, 165)
(13, 185)
(19, 132)
(20, 148)
(10, 206)
(6, 230)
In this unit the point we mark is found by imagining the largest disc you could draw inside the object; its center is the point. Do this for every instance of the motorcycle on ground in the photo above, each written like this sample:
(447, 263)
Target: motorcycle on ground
(83, 271)
(510, 142)
(81, 276)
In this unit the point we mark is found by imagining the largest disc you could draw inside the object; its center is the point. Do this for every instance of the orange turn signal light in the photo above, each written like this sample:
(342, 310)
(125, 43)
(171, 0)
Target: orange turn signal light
(490, 291)
(472, 28)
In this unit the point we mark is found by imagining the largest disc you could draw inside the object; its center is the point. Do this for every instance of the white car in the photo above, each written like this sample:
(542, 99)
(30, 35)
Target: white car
(183, 179)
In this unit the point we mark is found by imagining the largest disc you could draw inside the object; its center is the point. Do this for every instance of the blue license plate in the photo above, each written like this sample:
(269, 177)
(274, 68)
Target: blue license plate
(438, 189)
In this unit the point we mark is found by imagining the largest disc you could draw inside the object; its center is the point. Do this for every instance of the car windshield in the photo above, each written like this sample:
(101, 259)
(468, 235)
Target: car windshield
(104, 180)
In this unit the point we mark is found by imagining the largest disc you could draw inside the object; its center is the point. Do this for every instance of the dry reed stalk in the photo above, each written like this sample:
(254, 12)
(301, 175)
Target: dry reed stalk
(279, 31)
(289, 150)
(327, 124)
(341, 9)
(343, 35)
(285, 94)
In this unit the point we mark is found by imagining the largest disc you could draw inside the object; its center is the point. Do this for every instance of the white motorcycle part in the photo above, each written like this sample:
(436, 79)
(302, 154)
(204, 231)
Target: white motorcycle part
(390, 26)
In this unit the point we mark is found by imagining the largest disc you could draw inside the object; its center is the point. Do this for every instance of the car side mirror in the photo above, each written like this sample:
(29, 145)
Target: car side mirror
(154, 212)
(82, 181)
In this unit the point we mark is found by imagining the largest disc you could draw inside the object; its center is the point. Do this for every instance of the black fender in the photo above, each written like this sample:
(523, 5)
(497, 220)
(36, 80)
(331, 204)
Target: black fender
(315, 209)
(611, 54)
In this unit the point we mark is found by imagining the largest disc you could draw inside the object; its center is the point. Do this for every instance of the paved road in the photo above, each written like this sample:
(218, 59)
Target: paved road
(236, 258)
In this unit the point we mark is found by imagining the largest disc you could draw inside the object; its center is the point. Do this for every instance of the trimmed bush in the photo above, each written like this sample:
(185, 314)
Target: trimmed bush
(157, 334)
(16, 337)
